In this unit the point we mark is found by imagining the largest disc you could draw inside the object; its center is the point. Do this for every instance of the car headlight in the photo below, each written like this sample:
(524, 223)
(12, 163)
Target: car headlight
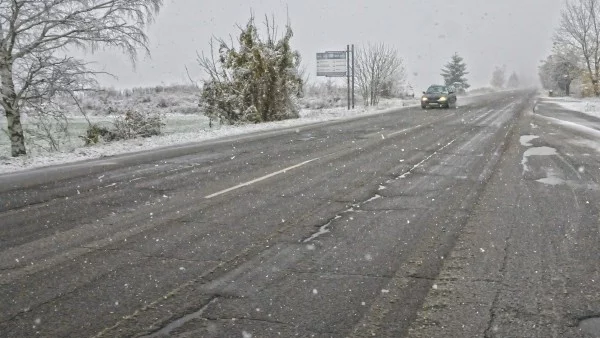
(443, 98)
(424, 99)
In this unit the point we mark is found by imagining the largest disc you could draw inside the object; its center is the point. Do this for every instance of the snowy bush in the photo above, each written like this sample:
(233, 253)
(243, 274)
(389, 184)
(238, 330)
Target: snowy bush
(258, 81)
(95, 133)
(163, 103)
(136, 124)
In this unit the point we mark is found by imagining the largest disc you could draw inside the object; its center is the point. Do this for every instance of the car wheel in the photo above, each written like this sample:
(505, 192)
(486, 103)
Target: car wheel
(423, 107)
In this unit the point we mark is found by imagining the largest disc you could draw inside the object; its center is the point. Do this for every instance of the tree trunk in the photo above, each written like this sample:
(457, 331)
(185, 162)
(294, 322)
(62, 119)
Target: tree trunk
(13, 116)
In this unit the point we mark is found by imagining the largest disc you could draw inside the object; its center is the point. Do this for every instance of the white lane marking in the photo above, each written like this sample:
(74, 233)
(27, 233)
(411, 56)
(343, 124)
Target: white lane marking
(260, 178)
(408, 172)
(404, 130)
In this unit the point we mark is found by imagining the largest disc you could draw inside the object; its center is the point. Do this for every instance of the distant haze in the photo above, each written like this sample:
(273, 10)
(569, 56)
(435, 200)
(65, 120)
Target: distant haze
(486, 33)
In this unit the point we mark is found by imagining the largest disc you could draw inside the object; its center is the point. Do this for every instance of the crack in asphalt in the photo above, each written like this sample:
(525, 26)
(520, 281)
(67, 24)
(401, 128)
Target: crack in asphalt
(166, 330)
(335, 274)
(51, 300)
(268, 321)
(488, 333)
(324, 229)
(145, 255)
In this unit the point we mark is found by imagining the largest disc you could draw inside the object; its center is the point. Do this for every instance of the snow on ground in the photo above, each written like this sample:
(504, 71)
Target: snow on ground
(180, 132)
(589, 106)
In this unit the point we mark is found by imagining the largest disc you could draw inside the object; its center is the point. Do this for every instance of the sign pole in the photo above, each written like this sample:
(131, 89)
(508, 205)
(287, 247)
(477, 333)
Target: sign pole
(348, 72)
(352, 76)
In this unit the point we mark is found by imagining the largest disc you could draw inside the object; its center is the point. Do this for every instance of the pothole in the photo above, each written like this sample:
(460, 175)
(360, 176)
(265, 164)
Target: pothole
(591, 326)
(536, 151)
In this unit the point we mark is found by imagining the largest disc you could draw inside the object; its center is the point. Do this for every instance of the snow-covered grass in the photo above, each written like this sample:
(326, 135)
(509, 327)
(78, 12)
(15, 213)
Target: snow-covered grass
(180, 129)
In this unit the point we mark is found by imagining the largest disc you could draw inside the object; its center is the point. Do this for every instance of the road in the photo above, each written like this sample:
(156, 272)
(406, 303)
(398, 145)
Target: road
(480, 221)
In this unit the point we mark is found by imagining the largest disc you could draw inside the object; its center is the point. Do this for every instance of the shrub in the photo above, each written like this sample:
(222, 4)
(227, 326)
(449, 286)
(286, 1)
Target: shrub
(255, 80)
(95, 133)
(136, 124)
(163, 103)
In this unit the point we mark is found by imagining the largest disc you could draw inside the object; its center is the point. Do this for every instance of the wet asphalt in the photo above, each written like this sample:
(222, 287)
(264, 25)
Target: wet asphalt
(480, 221)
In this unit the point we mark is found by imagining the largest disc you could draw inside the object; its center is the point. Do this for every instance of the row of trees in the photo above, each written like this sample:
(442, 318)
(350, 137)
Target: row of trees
(258, 78)
(575, 55)
(455, 71)
(254, 78)
(499, 78)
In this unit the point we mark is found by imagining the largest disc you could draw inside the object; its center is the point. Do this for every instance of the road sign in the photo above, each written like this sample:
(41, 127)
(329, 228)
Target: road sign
(332, 64)
(337, 64)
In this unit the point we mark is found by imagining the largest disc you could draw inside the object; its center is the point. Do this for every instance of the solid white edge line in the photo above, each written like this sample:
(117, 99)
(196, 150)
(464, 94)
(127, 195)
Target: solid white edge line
(259, 179)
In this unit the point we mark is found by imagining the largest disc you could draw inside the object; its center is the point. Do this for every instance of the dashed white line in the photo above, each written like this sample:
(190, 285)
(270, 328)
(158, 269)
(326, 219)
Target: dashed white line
(408, 172)
(404, 130)
(256, 180)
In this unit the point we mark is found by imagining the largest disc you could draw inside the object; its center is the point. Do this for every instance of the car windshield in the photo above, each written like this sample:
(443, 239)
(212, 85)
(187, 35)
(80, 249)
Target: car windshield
(437, 90)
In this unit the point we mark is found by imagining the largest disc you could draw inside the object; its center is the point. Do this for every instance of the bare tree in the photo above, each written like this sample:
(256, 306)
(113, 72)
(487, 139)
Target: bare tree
(376, 66)
(36, 35)
(580, 29)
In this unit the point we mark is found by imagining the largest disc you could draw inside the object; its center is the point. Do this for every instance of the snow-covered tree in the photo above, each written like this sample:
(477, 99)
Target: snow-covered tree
(256, 81)
(498, 77)
(580, 30)
(378, 70)
(36, 35)
(561, 68)
(454, 73)
(513, 80)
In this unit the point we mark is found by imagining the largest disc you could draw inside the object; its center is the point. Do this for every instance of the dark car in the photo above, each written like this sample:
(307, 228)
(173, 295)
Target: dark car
(438, 96)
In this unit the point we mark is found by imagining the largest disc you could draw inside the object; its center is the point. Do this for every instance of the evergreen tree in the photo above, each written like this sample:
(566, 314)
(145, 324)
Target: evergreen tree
(454, 73)
(499, 77)
(513, 81)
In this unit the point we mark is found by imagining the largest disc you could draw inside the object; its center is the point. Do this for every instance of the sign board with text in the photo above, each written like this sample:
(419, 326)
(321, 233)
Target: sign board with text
(332, 64)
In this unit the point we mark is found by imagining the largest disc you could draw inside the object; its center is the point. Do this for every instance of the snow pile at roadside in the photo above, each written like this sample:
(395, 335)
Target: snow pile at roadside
(8, 164)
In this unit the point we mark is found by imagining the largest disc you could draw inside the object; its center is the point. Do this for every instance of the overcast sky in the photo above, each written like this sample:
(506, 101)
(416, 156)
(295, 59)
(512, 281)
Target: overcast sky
(425, 32)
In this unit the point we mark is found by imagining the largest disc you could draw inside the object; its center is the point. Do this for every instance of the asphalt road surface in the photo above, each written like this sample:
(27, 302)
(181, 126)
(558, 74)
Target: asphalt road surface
(480, 221)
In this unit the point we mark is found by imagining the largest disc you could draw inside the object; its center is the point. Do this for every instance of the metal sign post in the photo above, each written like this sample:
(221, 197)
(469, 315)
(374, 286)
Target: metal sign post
(352, 76)
(348, 72)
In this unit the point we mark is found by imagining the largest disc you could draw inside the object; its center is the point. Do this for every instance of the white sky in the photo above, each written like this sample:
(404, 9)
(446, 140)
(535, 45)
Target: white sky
(425, 32)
